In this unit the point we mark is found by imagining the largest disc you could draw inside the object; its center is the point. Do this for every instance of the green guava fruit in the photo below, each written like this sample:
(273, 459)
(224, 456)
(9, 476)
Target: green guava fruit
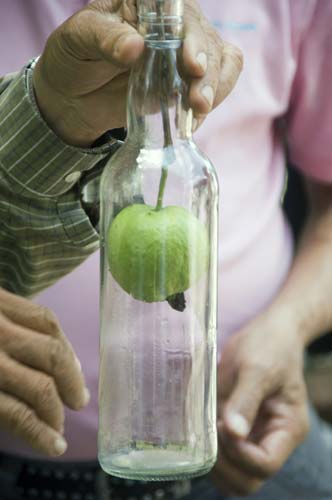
(154, 254)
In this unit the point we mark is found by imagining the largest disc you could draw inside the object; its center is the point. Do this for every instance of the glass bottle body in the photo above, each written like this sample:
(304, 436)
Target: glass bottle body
(157, 392)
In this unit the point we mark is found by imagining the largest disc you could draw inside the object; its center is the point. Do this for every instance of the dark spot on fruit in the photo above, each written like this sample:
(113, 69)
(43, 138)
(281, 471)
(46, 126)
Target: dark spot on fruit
(177, 301)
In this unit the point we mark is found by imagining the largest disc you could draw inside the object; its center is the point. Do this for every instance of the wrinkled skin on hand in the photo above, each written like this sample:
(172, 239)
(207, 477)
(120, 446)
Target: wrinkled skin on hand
(262, 404)
(81, 78)
(39, 374)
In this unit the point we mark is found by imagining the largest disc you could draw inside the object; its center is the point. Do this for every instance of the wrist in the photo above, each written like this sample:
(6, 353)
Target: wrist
(294, 320)
(287, 318)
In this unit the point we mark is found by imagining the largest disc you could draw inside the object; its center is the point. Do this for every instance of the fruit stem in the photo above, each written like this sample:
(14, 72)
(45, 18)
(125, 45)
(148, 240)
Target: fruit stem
(167, 144)
(162, 185)
(164, 75)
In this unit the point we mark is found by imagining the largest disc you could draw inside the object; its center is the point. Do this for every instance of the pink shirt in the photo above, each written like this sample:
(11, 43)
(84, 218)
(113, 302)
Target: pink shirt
(288, 73)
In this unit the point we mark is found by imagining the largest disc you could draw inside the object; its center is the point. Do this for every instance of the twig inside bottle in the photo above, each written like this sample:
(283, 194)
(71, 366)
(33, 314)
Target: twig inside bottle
(164, 105)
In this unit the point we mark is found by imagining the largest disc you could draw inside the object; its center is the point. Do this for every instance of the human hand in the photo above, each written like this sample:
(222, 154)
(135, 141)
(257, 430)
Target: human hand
(81, 79)
(262, 403)
(39, 372)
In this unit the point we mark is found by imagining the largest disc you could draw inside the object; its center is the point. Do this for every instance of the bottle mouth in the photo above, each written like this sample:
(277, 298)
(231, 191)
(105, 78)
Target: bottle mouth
(161, 20)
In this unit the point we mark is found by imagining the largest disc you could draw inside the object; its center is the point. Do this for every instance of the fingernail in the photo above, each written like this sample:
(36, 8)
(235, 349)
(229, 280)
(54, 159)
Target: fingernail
(238, 424)
(60, 445)
(86, 396)
(202, 60)
(208, 94)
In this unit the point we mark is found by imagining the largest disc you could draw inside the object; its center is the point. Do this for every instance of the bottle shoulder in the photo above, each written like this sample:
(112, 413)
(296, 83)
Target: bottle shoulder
(180, 175)
(184, 153)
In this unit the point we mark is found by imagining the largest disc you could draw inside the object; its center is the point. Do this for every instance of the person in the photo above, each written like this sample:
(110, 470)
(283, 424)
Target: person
(270, 315)
(39, 369)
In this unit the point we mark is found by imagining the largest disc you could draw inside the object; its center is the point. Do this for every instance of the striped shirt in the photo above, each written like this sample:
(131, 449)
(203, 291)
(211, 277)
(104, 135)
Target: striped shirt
(44, 230)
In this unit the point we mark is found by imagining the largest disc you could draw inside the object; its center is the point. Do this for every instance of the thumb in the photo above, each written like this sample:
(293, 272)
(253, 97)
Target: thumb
(242, 406)
(96, 33)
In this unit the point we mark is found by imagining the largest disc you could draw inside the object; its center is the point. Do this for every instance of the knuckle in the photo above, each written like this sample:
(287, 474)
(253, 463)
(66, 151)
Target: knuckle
(23, 421)
(46, 393)
(213, 37)
(215, 40)
(193, 13)
(32, 429)
(69, 30)
(239, 60)
(214, 62)
(50, 320)
(19, 417)
(259, 373)
(56, 353)
(236, 55)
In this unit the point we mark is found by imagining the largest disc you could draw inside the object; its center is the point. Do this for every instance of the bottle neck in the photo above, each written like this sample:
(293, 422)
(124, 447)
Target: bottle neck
(158, 111)
(161, 19)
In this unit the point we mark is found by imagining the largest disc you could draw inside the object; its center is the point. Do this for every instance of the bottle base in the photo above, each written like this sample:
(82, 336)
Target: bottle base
(155, 465)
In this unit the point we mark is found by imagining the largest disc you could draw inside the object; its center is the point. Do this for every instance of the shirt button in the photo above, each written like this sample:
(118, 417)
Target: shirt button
(73, 177)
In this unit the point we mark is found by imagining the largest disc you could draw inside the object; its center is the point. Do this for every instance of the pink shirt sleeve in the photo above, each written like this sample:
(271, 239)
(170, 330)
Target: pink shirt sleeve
(310, 116)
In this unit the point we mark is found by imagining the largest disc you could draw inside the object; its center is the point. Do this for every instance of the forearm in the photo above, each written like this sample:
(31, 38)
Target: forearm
(44, 230)
(306, 297)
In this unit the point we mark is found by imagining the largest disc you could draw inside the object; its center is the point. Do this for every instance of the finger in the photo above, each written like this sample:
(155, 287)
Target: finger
(22, 421)
(193, 59)
(29, 314)
(277, 447)
(231, 68)
(202, 91)
(250, 458)
(46, 354)
(197, 123)
(224, 68)
(242, 406)
(233, 480)
(265, 457)
(35, 389)
(101, 35)
(34, 317)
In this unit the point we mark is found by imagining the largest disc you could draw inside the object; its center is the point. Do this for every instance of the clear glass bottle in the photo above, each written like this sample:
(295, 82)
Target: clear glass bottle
(159, 219)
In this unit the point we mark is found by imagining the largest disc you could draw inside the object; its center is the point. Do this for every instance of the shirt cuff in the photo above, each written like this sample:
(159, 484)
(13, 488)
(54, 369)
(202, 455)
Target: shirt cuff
(37, 161)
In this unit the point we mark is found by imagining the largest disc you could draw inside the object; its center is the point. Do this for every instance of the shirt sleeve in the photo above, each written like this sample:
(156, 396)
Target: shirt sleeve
(310, 116)
(44, 231)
